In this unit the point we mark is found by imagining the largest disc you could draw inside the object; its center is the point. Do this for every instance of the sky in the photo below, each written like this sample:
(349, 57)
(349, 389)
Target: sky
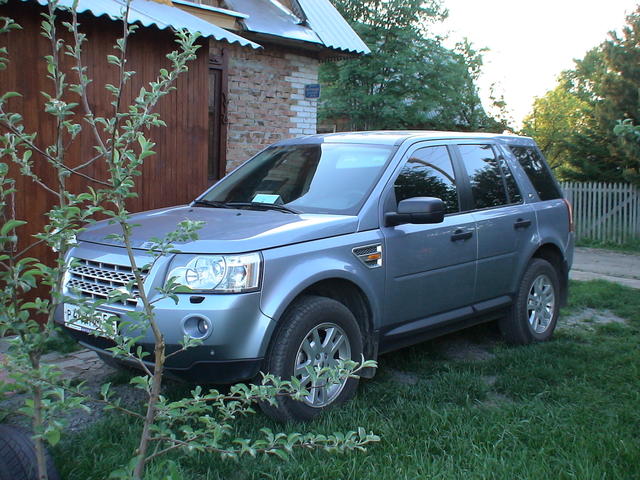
(532, 41)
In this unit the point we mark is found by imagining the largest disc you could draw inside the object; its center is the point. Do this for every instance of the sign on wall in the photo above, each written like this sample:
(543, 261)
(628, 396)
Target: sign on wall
(312, 90)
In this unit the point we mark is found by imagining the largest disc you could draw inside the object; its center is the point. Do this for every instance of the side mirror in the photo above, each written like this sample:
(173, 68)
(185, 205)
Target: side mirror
(418, 210)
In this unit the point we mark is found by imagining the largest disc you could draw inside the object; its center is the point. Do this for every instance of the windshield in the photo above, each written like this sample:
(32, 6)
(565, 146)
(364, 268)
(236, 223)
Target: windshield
(329, 178)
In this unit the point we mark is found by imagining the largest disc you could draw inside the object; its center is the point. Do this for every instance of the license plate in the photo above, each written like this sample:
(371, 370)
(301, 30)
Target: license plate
(93, 324)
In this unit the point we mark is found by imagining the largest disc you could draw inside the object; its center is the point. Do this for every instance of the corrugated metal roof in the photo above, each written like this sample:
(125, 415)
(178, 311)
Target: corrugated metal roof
(331, 27)
(224, 11)
(266, 17)
(147, 12)
(322, 23)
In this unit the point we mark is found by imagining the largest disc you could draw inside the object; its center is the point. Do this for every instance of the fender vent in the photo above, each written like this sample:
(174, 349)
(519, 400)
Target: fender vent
(370, 255)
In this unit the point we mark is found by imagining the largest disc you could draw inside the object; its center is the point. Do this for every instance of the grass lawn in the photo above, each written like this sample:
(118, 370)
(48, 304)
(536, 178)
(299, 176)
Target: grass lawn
(631, 246)
(566, 409)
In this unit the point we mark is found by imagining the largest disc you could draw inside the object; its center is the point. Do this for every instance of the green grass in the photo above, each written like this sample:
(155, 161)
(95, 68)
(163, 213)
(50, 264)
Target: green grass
(565, 409)
(631, 246)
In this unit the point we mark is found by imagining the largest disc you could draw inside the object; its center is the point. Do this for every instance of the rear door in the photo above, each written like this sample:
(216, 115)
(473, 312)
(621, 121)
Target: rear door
(505, 224)
(429, 268)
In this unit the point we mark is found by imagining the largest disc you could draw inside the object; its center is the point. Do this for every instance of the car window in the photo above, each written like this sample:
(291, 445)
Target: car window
(488, 186)
(513, 191)
(323, 178)
(428, 173)
(534, 166)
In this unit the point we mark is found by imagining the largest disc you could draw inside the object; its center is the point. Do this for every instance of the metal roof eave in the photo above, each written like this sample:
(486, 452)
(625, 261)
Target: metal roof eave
(315, 22)
(331, 27)
(270, 18)
(148, 12)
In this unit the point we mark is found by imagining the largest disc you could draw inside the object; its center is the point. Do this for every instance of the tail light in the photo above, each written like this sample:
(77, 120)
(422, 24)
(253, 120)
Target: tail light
(570, 211)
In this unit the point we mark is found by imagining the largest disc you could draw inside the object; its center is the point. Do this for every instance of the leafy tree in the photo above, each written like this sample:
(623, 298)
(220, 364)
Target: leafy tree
(575, 122)
(557, 118)
(410, 80)
(629, 138)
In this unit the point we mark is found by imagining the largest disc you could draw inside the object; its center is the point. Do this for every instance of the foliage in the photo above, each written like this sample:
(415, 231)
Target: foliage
(410, 80)
(201, 422)
(575, 122)
(557, 118)
(629, 139)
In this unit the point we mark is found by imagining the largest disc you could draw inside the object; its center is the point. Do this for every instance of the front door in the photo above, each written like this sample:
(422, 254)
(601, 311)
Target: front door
(429, 268)
(504, 223)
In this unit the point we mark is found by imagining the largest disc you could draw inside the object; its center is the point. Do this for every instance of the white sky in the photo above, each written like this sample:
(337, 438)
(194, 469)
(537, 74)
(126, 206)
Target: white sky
(531, 41)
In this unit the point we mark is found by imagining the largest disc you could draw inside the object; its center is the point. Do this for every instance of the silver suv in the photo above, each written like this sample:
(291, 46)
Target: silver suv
(331, 247)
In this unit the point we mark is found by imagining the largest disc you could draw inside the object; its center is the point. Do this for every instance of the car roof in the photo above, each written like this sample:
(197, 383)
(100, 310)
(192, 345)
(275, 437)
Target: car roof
(391, 137)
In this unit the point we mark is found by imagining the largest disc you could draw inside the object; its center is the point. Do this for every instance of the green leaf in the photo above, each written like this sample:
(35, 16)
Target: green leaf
(10, 225)
(52, 436)
(9, 95)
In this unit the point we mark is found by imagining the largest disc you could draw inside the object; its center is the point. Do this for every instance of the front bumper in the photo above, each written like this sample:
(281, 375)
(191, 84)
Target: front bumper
(192, 365)
(233, 348)
(232, 351)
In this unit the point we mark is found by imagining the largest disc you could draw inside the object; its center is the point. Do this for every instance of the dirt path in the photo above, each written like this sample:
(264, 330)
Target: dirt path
(596, 263)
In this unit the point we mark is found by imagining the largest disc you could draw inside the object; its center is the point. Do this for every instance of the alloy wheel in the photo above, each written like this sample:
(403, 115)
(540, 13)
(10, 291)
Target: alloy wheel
(541, 303)
(323, 346)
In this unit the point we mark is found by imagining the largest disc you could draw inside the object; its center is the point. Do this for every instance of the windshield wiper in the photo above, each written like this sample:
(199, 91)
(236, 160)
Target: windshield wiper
(211, 203)
(262, 206)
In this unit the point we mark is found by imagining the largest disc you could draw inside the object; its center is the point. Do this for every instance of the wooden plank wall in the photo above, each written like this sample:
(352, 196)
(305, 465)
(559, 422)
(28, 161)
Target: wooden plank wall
(175, 175)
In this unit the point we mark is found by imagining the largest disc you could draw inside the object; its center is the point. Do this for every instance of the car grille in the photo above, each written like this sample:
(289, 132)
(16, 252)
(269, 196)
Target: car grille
(97, 279)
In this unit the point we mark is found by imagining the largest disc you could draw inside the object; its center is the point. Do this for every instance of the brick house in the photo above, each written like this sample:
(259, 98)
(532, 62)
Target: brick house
(266, 87)
(245, 90)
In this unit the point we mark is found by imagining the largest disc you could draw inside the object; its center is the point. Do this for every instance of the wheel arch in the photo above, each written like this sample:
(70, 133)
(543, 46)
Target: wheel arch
(353, 297)
(551, 253)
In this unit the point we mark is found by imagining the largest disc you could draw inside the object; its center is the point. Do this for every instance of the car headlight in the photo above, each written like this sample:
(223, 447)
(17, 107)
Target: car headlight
(217, 273)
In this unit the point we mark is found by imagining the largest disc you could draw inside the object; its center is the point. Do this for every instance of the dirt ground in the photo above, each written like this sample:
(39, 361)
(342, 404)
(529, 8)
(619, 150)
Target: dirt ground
(596, 263)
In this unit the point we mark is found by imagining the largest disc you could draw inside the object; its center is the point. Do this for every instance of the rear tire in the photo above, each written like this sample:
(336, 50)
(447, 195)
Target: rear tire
(18, 456)
(314, 331)
(534, 314)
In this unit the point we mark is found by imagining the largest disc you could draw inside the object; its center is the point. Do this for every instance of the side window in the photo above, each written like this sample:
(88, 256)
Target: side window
(512, 187)
(488, 185)
(428, 173)
(539, 174)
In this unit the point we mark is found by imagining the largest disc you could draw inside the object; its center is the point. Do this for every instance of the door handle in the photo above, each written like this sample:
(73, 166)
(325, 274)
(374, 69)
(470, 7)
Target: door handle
(461, 234)
(522, 223)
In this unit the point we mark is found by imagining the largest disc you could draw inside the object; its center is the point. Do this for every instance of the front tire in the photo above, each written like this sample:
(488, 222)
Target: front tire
(534, 314)
(18, 456)
(316, 332)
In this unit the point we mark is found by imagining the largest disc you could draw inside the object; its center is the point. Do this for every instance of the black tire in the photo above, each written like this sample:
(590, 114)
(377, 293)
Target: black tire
(535, 320)
(300, 320)
(18, 456)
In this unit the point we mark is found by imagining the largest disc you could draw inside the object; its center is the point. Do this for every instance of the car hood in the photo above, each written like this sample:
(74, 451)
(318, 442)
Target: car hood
(226, 230)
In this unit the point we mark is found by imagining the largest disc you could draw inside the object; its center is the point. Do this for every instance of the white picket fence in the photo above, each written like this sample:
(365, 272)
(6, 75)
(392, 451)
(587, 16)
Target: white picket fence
(605, 212)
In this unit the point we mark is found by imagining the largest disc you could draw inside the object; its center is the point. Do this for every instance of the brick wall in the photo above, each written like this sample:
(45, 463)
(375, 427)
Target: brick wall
(266, 100)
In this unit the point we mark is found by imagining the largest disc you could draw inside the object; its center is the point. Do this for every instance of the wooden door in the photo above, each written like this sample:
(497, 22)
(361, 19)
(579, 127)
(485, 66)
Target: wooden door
(217, 159)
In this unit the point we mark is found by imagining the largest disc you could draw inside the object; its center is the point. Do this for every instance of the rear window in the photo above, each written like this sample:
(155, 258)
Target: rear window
(538, 172)
(492, 184)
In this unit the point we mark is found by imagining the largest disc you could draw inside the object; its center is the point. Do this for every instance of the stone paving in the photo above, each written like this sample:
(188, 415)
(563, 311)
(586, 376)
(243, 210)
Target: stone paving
(83, 365)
